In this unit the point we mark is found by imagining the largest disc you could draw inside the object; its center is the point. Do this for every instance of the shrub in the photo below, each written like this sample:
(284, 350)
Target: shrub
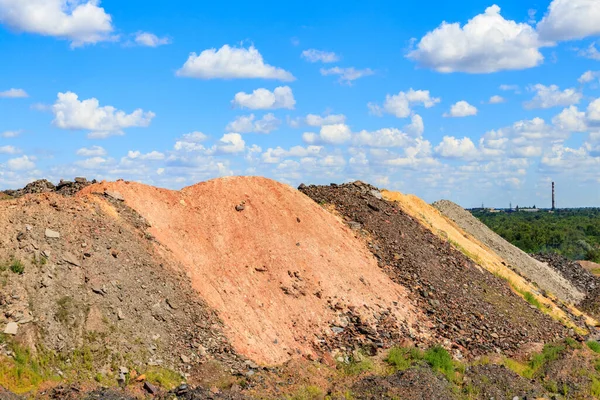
(574, 344)
(402, 358)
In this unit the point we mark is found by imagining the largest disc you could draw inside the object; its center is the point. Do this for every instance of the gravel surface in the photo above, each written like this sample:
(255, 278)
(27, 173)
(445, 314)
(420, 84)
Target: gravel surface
(570, 270)
(544, 276)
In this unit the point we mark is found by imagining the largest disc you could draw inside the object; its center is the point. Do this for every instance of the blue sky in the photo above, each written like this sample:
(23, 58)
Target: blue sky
(479, 102)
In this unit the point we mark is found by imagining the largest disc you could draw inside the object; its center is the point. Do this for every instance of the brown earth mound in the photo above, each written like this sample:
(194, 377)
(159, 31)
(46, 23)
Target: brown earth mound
(284, 275)
(544, 276)
(85, 287)
(473, 310)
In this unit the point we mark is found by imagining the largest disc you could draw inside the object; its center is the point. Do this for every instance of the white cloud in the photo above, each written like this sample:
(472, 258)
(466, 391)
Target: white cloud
(14, 93)
(313, 56)
(231, 63)
(487, 43)
(570, 19)
(23, 163)
(335, 134)
(153, 155)
(8, 150)
(387, 137)
(94, 151)
(400, 104)
(511, 88)
(593, 112)
(451, 147)
(79, 21)
(71, 113)
(347, 75)
(497, 99)
(591, 52)
(329, 134)
(317, 120)
(263, 99)
(570, 120)
(247, 124)
(552, 96)
(275, 156)
(10, 134)
(150, 40)
(231, 143)
(461, 109)
(191, 142)
(416, 126)
(589, 76)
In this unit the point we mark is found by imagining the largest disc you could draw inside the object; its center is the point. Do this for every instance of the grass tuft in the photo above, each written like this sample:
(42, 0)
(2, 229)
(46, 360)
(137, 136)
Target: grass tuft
(441, 361)
(594, 346)
(17, 267)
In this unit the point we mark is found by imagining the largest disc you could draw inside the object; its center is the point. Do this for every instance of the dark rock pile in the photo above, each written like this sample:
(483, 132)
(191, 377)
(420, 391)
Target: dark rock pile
(65, 188)
(470, 308)
(571, 270)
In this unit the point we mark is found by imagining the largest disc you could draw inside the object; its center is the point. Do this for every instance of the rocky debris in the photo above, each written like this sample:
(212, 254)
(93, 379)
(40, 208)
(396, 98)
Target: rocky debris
(544, 276)
(571, 270)
(498, 382)
(11, 328)
(150, 388)
(412, 384)
(65, 188)
(472, 311)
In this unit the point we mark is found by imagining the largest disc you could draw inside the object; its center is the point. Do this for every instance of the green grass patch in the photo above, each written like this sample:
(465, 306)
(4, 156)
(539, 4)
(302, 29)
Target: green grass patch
(595, 388)
(402, 358)
(441, 361)
(572, 343)
(165, 378)
(356, 365)
(594, 346)
(17, 267)
(310, 392)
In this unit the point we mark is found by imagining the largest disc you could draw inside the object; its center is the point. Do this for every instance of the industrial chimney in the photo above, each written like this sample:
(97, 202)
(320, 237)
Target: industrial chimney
(553, 203)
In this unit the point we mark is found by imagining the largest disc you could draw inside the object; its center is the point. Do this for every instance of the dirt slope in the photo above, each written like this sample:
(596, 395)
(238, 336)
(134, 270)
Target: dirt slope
(447, 229)
(474, 311)
(279, 270)
(544, 276)
(94, 283)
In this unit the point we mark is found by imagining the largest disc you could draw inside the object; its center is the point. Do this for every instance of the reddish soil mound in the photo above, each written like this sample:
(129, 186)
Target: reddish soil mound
(284, 274)
(473, 309)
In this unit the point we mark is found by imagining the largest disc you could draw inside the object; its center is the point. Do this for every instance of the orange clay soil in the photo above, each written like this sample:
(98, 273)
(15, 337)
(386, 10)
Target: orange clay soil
(272, 271)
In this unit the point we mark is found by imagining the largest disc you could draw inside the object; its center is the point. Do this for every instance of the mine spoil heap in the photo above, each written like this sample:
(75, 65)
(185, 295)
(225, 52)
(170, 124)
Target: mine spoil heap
(470, 308)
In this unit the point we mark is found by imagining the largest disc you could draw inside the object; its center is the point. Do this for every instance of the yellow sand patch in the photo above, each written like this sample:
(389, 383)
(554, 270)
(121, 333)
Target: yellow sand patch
(446, 229)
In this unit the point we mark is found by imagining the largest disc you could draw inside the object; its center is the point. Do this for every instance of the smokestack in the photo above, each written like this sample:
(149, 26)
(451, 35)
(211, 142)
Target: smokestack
(553, 203)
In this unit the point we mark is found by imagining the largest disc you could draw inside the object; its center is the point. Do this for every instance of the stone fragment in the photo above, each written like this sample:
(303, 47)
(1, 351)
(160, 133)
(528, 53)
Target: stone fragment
(150, 388)
(114, 195)
(71, 259)
(185, 359)
(11, 328)
(52, 234)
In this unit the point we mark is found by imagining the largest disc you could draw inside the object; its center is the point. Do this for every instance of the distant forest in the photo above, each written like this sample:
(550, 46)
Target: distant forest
(574, 233)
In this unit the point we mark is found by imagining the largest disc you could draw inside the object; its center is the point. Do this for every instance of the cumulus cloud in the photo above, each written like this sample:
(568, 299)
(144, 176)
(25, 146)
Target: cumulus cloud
(247, 124)
(416, 126)
(497, 99)
(400, 104)
(589, 76)
(461, 109)
(312, 55)
(8, 150)
(387, 137)
(153, 155)
(276, 155)
(347, 75)
(552, 96)
(14, 93)
(24, 163)
(94, 151)
(317, 120)
(231, 63)
(150, 40)
(570, 19)
(329, 134)
(71, 113)
(191, 142)
(570, 120)
(591, 52)
(451, 147)
(230, 143)
(263, 99)
(79, 21)
(487, 43)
